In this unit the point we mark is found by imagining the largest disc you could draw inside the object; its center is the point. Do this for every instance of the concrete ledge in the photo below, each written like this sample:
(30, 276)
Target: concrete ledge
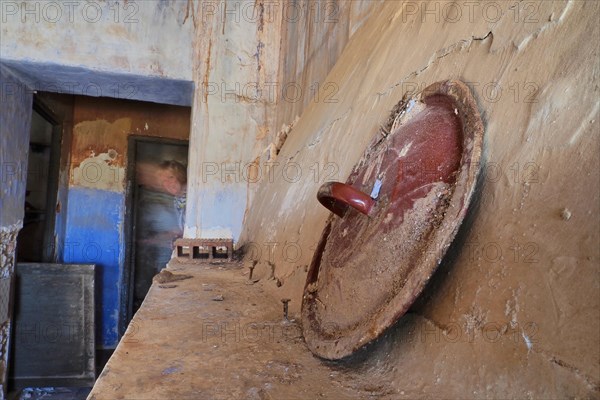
(214, 336)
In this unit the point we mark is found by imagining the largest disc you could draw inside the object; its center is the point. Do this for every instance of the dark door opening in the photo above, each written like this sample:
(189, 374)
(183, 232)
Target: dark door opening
(156, 206)
(35, 242)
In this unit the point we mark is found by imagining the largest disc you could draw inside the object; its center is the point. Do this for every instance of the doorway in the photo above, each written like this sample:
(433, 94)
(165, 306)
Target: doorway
(156, 185)
(35, 242)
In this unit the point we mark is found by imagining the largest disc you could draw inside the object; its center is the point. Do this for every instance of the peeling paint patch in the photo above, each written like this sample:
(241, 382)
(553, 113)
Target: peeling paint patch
(97, 136)
(100, 172)
(8, 244)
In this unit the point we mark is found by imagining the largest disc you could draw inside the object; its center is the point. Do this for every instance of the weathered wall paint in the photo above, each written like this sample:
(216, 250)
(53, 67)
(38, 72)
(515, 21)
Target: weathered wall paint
(137, 50)
(520, 288)
(15, 123)
(257, 65)
(233, 58)
(146, 38)
(96, 199)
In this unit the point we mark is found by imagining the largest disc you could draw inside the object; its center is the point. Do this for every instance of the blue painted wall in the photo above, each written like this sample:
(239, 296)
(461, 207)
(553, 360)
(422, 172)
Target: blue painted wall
(95, 236)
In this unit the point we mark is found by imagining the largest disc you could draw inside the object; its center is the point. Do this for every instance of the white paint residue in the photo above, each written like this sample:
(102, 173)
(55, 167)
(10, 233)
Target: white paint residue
(146, 126)
(527, 341)
(588, 120)
(405, 150)
(294, 198)
(410, 105)
(376, 188)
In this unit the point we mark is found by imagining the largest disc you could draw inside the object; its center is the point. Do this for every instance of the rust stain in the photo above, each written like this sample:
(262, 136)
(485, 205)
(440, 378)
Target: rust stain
(156, 67)
(224, 18)
(117, 30)
(121, 61)
(261, 18)
(262, 132)
(207, 72)
(187, 12)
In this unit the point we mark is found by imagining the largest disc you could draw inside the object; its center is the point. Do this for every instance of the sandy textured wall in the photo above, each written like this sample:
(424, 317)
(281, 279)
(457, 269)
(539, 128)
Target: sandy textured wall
(313, 37)
(514, 309)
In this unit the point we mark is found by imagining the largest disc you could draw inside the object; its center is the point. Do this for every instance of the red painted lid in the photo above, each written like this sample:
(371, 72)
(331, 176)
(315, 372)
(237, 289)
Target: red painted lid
(393, 219)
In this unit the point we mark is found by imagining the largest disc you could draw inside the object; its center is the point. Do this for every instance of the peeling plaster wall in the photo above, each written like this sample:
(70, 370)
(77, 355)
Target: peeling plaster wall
(514, 308)
(148, 38)
(8, 243)
(257, 65)
(97, 178)
(15, 122)
(234, 58)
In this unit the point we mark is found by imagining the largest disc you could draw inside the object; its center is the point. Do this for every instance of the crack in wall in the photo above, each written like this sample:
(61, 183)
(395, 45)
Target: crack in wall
(589, 381)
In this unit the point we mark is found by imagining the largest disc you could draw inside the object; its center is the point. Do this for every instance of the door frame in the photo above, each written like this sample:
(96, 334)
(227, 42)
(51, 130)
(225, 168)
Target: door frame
(48, 244)
(129, 224)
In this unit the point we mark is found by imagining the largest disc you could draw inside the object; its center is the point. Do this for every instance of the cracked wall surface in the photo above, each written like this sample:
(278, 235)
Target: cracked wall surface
(513, 308)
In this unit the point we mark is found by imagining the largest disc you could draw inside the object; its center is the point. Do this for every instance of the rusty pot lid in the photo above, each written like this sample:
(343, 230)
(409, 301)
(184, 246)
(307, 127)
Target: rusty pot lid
(378, 250)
